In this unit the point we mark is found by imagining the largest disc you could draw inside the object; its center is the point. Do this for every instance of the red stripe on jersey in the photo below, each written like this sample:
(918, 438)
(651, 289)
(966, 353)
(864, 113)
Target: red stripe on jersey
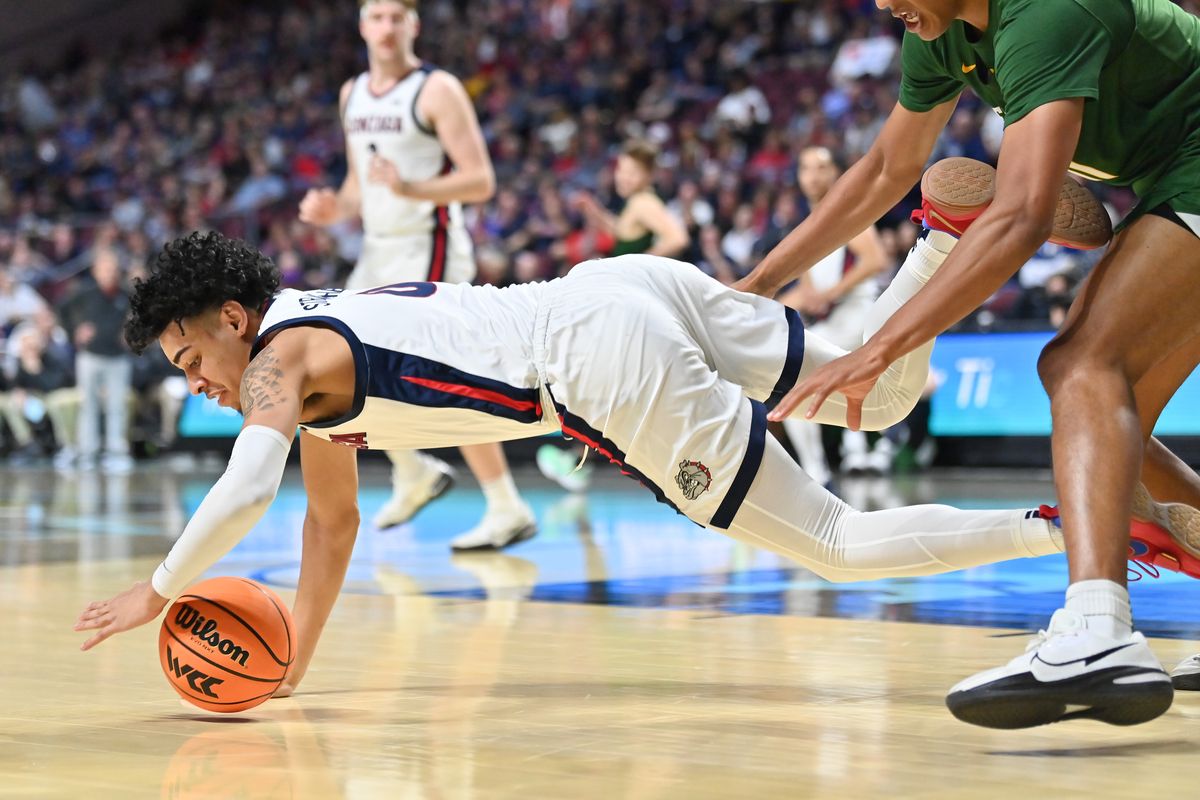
(478, 394)
(437, 261)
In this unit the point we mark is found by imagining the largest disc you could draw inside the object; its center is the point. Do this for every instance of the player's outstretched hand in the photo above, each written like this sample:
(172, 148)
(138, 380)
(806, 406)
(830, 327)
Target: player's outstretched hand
(853, 375)
(319, 207)
(133, 607)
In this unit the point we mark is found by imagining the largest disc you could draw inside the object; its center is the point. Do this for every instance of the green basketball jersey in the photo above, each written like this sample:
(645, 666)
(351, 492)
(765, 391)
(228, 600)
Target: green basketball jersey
(1135, 62)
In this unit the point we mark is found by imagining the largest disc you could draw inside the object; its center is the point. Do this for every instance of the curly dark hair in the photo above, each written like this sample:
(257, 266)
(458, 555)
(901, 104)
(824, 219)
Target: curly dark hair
(193, 274)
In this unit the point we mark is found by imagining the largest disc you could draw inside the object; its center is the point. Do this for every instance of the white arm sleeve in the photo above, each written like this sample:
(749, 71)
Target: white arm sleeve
(233, 505)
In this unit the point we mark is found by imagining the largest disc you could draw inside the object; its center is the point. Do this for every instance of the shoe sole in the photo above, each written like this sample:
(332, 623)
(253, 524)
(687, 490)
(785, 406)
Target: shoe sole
(445, 483)
(1010, 708)
(963, 187)
(1180, 520)
(522, 534)
(1186, 683)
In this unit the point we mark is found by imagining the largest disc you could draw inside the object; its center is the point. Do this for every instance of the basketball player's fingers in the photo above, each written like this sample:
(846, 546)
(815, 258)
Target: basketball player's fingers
(819, 396)
(100, 636)
(86, 618)
(95, 622)
(790, 401)
(854, 408)
(93, 611)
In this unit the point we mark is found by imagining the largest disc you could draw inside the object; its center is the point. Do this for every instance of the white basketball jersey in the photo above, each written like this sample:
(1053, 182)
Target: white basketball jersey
(436, 364)
(389, 122)
(828, 272)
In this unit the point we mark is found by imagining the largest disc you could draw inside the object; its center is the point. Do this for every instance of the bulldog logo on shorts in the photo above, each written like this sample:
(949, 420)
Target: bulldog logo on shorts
(693, 479)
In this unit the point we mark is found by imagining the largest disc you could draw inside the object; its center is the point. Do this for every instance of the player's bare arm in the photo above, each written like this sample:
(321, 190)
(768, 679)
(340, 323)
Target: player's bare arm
(446, 109)
(1033, 161)
(868, 189)
(670, 237)
(870, 259)
(330, 527)
(325, 206)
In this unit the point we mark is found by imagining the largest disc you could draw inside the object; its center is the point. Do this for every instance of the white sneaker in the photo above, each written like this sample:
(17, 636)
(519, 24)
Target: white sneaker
(1186, 675)
(404, 504)
(116, 464)
(499, 529)
(562, 467)
(856, 464)
(1067, 672)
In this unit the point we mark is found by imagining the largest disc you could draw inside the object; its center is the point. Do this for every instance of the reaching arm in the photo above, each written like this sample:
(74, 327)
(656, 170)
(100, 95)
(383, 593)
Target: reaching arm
(271, 396)
(860, 197)
(1033, 162)
(330, 528)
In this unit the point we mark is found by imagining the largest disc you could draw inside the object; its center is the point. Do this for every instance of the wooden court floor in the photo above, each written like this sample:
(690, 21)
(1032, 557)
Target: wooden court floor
(490, 677)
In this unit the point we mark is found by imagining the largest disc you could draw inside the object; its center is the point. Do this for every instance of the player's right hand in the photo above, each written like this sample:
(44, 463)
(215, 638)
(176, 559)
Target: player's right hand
(133, 607)
(319, 207)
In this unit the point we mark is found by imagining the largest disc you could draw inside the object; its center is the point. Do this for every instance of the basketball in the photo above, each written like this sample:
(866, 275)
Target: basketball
(226, 644)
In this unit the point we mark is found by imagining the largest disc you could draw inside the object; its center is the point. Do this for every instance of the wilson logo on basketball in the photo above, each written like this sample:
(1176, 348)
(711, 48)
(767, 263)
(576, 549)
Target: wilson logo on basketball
(199, 681)
(204, 629)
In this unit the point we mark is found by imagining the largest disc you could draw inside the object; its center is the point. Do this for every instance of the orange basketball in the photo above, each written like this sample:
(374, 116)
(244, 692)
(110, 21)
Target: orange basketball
(226, 644)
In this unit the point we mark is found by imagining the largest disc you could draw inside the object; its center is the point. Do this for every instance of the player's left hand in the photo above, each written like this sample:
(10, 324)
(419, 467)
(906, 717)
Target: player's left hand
(133, 607)
(383, 171)
(854, 375)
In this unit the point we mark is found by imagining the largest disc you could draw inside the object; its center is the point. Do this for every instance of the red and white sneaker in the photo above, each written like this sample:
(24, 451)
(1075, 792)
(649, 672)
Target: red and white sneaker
(1166, 535)
(955, 191)
(1161, 535)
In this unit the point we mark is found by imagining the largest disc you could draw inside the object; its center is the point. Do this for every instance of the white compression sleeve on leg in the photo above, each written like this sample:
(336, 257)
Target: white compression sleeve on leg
(786, 512)
(230, 509)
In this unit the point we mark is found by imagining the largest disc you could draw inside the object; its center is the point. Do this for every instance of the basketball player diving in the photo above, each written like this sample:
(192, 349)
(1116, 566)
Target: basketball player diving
(680, 404)
(1110, 90)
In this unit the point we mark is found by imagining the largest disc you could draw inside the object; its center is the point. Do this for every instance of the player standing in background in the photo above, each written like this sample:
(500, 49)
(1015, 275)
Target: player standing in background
(644, 224)
(414, 154)
(835, 295)
(1110, 90)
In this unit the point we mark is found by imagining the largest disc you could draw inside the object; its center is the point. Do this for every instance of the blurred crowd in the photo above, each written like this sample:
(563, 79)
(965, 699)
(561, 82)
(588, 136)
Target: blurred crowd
(224, 122)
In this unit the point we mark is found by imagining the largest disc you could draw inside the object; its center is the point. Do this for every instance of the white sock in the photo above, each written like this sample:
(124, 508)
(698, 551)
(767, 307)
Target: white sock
(408, 467)
(1105, 606)
(501, 494)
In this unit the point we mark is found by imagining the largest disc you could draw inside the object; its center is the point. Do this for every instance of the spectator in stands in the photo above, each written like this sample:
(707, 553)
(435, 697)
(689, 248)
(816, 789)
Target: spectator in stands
(744, 108)
(43, 388)
(94, 316)
(18, 301)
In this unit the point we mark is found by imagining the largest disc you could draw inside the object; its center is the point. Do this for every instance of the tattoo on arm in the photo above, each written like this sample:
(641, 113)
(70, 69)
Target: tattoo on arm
(261, 388)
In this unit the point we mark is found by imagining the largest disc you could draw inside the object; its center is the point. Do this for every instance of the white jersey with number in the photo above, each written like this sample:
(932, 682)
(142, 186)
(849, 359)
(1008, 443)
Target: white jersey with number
(390, 123)
(436, 364)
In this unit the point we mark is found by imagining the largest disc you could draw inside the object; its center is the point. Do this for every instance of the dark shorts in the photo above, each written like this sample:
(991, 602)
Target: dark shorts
(1190, 223)
(1175, 194)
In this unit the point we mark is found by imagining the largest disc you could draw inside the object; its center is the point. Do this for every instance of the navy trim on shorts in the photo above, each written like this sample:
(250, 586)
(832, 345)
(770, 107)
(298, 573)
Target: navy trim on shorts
(748, 471)
(794, 359)
(577, 428)
(1166, 212)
